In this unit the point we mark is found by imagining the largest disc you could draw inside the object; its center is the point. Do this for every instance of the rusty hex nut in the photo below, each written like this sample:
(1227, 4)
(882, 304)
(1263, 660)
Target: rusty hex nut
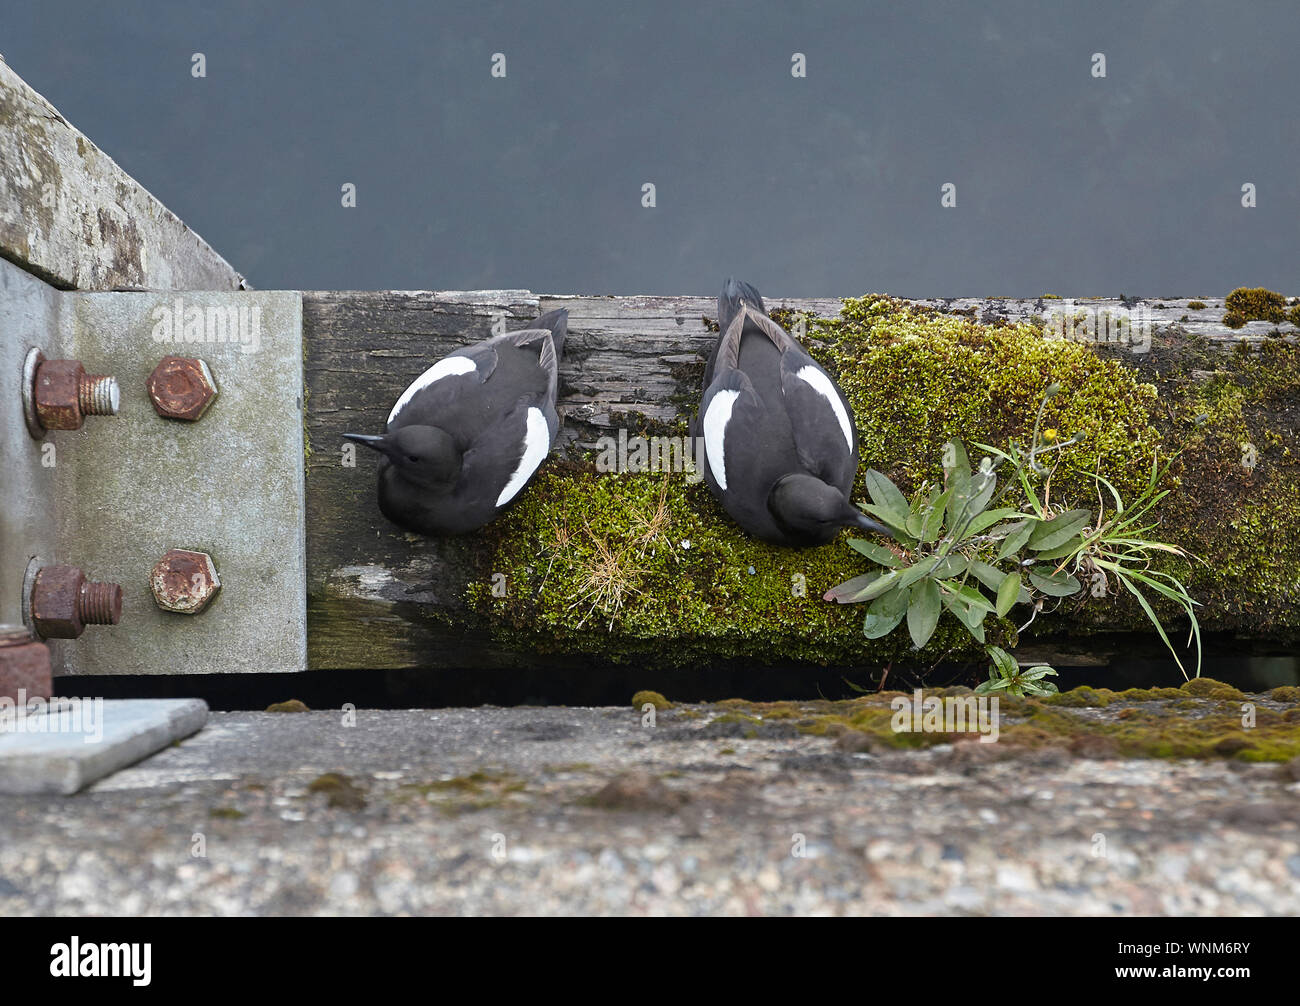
(181, 387)
(24, 665)
(184, 581)
(64, 394)
(64, 602)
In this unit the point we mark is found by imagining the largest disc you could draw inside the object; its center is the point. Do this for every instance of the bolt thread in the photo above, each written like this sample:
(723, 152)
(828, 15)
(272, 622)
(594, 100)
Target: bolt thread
(98, 395)
(99, 603)
(14, 635)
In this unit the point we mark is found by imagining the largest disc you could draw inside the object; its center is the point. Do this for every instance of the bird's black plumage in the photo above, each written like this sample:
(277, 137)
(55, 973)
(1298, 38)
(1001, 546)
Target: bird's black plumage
(781, 446)
(470, 432)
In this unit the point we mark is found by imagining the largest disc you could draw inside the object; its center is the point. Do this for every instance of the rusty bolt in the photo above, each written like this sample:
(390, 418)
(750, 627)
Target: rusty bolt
(63, 394)
(64, 602)
(181, 388)
(24, 665)
(184, 581)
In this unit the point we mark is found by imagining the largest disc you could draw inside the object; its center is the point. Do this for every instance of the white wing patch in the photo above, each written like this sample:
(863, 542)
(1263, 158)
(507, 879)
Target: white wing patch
(821, 384)
(715, 431)
(537, 444)
(451, 366)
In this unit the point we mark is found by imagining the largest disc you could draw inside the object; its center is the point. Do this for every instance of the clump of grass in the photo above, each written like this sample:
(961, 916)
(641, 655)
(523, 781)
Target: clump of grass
(650, 527)
(606, 579)
(1119, 545)
(955, 542)
(610, 573)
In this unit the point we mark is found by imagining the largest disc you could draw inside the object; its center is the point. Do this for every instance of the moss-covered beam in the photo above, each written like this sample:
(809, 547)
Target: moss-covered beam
(629, 566)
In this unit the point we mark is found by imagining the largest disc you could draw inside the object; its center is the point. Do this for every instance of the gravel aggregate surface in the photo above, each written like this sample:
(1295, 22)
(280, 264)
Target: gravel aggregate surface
(588, 811)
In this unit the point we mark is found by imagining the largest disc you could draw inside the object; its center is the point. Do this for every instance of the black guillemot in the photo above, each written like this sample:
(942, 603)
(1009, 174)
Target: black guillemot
(471, 431)
(780, 445)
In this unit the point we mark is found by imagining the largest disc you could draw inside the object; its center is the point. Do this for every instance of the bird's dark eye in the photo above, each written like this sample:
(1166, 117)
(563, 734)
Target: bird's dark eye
(411, 457)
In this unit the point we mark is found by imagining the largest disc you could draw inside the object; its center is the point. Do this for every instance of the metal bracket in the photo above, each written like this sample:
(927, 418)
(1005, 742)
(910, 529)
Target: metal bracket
(114, 496)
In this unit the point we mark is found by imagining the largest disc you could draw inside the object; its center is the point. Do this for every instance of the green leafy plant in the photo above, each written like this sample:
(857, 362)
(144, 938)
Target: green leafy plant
(1005, 675)
(975, 549)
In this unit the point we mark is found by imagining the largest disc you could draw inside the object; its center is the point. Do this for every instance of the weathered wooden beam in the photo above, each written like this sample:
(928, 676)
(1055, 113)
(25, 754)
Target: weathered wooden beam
(373, 581)
(381, 598)
(71, 216)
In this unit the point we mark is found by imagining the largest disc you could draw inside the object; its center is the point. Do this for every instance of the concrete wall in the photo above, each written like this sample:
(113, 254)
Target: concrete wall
(71, 216)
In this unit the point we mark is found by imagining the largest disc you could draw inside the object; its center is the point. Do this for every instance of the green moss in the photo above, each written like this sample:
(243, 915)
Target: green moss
(1150, 694)
(644, 697)
(290, 706)
(1285, 693)
(226, 813)
(1241, 519)
(1125, 724)
(917, 378)
(1196, 305)
(615, 565)
(341, 792)
(480, 790)
(475, 782)
(1208, 688)
(726, 718)
(1082, 696)
(1255, 304)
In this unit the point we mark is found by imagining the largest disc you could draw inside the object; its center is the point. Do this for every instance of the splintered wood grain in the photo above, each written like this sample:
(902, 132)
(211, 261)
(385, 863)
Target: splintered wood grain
(638, 356)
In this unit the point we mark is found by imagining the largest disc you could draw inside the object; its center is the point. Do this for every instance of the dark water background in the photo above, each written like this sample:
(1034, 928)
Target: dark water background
(822, 186)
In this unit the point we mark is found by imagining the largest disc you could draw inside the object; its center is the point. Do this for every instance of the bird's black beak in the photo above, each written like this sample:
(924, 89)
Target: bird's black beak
(379, 443)
(860, 520)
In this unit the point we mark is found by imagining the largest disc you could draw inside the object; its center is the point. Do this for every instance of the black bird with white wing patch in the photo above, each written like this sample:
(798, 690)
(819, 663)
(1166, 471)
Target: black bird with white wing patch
(780, 444)
(471, 431)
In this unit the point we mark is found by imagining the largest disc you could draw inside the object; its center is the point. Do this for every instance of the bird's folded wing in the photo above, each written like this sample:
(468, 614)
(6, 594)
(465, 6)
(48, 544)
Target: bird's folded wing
(726, 352)
(724, 411)
(781, 339)
(726, 355)
(824, 434)
(438, 384)
(508, 453)
(483, 356)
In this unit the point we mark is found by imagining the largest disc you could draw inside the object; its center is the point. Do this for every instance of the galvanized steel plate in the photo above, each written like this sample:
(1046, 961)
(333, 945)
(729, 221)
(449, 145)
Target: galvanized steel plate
(125, 489)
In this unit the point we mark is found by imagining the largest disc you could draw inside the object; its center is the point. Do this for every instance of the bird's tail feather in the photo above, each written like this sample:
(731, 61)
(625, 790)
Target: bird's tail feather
(734, 293)
(558, 322)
